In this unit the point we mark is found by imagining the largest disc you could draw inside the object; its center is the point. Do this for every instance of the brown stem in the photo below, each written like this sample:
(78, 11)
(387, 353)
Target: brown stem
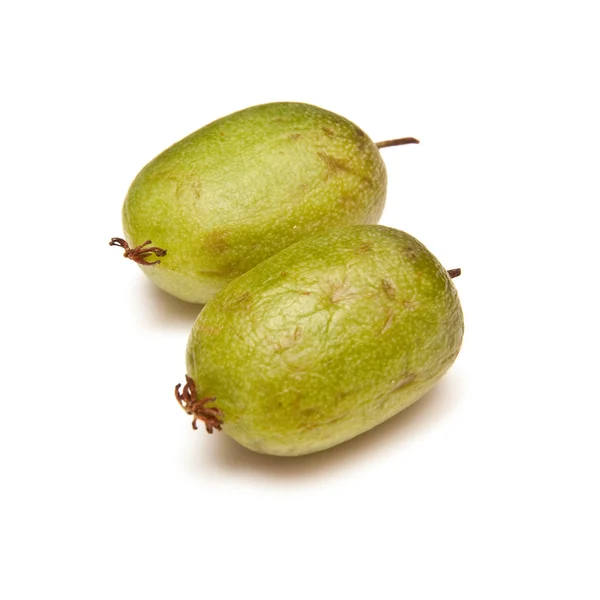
(139, 254)
(454, 273)
(188, 400)
(398, 142)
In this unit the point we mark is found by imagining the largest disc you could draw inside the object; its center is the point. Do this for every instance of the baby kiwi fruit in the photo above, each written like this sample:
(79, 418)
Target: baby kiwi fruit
(244, 187)
(323, 341)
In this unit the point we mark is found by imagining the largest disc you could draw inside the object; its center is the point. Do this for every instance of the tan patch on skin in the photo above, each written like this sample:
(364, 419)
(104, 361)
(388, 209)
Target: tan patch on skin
(388, 288)
(289, 341)
(242, 302)
(337, 291)
(328, 132)
(295, 136)
(365, 248)
(388, 320)
(195, 186)
(210, 330)
(216, 241)
(411, 305)
(411, 253)
(402, 304)
(243, 298)
(334, 165)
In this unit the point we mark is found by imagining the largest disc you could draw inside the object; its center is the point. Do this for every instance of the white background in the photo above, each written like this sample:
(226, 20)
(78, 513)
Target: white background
(485, 489)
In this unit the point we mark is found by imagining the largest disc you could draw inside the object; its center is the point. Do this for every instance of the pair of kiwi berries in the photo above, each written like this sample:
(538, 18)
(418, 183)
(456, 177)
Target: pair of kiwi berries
(318, 323)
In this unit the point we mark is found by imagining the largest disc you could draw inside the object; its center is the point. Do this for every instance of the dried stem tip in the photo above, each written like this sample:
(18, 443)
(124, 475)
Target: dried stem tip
(454, 273)
(188, 400)
(141, 253)
(398, 142)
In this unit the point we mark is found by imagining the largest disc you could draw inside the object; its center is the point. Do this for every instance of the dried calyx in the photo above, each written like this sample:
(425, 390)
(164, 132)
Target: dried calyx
(188, 400)
(141, 253)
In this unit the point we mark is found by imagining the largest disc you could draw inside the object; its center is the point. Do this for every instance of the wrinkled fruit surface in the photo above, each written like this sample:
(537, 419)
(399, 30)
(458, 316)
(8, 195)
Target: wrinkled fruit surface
(242, 188)
(326, 339)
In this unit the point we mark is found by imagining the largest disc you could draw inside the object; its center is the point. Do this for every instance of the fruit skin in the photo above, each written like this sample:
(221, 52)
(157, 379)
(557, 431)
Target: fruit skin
(242, 188)
(326, 339)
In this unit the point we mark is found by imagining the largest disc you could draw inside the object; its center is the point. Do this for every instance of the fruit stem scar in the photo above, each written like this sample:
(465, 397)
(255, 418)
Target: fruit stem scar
(454, 273)
(139, 254)
(398, 142)
(188, 400)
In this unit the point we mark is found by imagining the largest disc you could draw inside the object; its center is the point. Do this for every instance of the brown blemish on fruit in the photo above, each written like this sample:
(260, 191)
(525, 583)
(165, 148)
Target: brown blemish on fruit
(328, 132)
(306, 293)
(344, 394)
(243, 301)
(216, 241)
(337, 291)
(196, 186)
(289, 341)
(411, 305)
(388, 320)
(365, 248)
(388, 288)
(295, 136)
(334, 165)
(243, 298)
(188, 400)
(410, 253)
(166, 175)
(368, 181)
(210, 330)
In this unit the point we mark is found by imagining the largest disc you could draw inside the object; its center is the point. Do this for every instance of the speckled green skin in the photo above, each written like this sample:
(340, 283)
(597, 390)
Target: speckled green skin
(242, 188)
(326, 339)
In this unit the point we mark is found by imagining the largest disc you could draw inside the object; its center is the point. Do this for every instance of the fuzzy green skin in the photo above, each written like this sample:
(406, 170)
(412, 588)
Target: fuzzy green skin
(326, 339)
(246, 186)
